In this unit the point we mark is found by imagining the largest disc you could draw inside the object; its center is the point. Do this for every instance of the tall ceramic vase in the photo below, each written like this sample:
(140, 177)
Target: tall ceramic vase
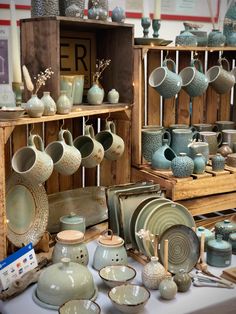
(230, 21)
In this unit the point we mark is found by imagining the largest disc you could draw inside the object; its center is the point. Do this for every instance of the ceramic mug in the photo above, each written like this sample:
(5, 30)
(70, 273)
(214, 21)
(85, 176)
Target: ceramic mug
(223, 125)
(220, 79)
(201, 127)
(194, 81)
(213, 139)
(165, 81)
(66, 158)
(32, 163)
(229, 136)
(91, 150)
(112, 143)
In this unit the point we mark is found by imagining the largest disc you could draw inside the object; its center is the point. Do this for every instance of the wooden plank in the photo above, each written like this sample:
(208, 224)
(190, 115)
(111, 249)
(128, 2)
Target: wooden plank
(224, 107)
(77, 131)
(186, 48)
(217, 173)
(19, 138)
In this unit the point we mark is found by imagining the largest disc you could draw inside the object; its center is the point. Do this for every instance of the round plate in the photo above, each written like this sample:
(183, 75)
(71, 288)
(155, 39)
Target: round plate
(183, 248)
(26, 210)
(164, 216)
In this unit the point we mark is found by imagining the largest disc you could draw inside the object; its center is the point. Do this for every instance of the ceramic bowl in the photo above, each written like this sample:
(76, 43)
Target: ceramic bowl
(11, 113)
(80, 306)
(116, 275)
(129, 298)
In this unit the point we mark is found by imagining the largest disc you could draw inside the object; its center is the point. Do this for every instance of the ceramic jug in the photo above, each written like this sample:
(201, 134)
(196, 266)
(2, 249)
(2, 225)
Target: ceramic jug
(181, 139)
(153, 273)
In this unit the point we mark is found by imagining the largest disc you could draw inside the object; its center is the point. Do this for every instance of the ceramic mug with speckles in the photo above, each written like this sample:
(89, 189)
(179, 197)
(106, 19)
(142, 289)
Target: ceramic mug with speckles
(92, 152)
(112, 143)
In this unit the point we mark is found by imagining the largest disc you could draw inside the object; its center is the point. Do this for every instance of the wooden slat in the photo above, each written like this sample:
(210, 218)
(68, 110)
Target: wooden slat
(77, 131)
(19, 138)
(224, 107)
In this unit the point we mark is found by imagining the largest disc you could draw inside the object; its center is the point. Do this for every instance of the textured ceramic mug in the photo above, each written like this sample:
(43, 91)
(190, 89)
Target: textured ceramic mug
(213, 139)
(165, 81)
(32, 163)
(229, 136)
(66, 158)
(91, 150)
(112, 143)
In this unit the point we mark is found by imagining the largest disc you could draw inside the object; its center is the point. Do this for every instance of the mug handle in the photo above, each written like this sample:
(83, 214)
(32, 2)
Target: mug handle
(66, 136)
(199, 64)
(196, 135)
(31, 141)
(221, 61)
(89, 131)
(166, 134)
(166, 61)
(219, 138)
(110, 126)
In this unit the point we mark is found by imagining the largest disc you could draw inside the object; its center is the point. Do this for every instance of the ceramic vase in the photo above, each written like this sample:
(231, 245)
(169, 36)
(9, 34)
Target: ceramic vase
(64, 104)
(182, 166)
(95, 95)
(199, 164)
(44, 8)
(225, 149)
(113, 96)
(216, 38)
(186, 38)
(75, 8)
(118, 15)
(100, 9)
(168, 288)
(230, 21)
(232, 240)
(161, 159)
(34, 107)
(225, 228)
(219, 252)
(218, 162)
(182, 280)
(50, 107)
(153, 273)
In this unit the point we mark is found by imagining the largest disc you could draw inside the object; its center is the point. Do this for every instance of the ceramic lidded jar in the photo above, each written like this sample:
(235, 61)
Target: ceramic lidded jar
(225, 228)
(34, 107)
(109, 251)
(153, 273)
(168, 288)
(50, 107)
(62, 282)
(182, 166)
(182, 280)
(72, 222)
(199, 164)
(64, 103)
(208, 235)
(225, 149)
(69, 243)
(219, 252)
(218, 162)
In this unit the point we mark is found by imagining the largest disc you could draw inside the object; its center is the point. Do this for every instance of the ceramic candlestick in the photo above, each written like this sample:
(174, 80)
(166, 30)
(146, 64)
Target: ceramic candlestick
(145, 22)
(156, 24)
(18, 90)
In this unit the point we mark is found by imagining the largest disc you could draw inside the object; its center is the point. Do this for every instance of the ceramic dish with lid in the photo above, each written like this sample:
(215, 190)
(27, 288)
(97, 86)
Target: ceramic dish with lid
(116, 275)
(80, 307)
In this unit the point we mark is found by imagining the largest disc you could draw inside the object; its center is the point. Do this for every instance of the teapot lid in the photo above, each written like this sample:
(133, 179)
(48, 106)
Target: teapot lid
(110, 239)
(70, 236)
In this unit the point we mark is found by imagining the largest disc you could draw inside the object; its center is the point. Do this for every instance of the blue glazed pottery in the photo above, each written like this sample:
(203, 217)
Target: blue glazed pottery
(225, 228)
(216, 38)
(118, 15)
(186, 38)
(218, 162)
(199, 164)
(230, 21)
(181, 139)
(182, 166)
(161, 159)
(232, 240)
(219, 252)
(208, 235)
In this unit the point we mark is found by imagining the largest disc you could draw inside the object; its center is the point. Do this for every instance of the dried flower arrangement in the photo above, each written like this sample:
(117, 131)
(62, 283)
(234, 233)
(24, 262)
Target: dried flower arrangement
(40, 79)
(101, 65)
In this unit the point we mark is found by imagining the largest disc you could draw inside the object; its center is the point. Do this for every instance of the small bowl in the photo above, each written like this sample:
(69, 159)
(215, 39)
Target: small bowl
(80, 306)
(116, 275)
(129, 298)
(11, 113)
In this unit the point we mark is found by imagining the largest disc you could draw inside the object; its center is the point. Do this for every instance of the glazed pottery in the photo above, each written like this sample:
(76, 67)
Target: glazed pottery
(231, 40)
(116, 275)
(182, 166)
(201, 37)
(109, 251)
(113, 96)
(199, 164)
(166, 81)
(153, 273)
(11, 113)
(182, 280)
(229, 136)
(118, 15)
(219, 252)
(44, 8)
(216, 38)
(203, 126)
(161, 159)
(70, 244)
(185, 38)
(62, 282)
(208, 235)
(64, 103)
(113, 144)
(31, 162)
(181, 139)
(101, 8)
(129, 298)
(75, 8)
(92, 152)
(213, 139)
(232, 240)
(72, 222)
(78, 89)
(225, 228)
(218, 162)
(34, 107)
(168, 288)
(231, 160)
(230, 21)
(66, 158)
(225, 149)
(199, 148)
(95, 95)
(50, 107)
(80, 306)
(223, 125)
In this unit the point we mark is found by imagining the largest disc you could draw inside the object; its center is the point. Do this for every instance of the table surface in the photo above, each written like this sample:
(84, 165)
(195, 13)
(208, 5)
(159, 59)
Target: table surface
(198, 300)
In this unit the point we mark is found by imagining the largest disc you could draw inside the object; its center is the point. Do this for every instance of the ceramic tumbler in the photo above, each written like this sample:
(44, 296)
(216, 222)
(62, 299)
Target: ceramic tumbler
(203, 126)
(213, 139)
(223, 125)
(166, 81)
(229, 136)
(33, 163)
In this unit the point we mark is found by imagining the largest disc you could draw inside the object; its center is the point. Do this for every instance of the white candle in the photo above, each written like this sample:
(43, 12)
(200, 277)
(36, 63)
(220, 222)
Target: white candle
(157, 10)
(15, 47)
(145, 8)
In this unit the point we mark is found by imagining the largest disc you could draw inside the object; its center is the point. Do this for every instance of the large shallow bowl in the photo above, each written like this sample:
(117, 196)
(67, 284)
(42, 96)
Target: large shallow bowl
(129, 298)
(116, 275)
(80, 307)
(11, 113)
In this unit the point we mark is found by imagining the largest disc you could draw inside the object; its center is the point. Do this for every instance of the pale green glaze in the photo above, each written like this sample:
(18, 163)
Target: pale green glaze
(80, 307)
(168, 288)
(95, 95)
(182, 280)
(72, 222)
(50, 107)
(116, 275)
(219, 252)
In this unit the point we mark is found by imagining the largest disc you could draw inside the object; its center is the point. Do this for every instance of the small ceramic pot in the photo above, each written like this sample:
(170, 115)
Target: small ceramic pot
(218, 162)
(118, 15)
(153, 273)
(186, 38)
(64, 103)
(95, 95)
(168, 288)
(225, 228)
(182, 166)
(199, 147)
(72, 222)
(208, 235)
(182, 280)
(199, 164)
(113, 96)
(225, 149)
(219, 252)
(50, 107)
(216, 38)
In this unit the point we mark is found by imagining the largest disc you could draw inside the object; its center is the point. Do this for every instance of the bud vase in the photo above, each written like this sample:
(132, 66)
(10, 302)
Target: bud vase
(64, 104)
(50, 107)
(34, 107)
(153, 273)
(95, 95)
(168, 288)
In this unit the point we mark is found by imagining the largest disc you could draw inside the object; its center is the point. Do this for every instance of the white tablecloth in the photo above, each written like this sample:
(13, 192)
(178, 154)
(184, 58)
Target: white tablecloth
(197, 300)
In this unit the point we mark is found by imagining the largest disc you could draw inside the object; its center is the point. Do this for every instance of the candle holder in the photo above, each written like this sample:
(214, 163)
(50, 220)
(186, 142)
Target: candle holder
(145, 22)
(156, 24)
(18, 88)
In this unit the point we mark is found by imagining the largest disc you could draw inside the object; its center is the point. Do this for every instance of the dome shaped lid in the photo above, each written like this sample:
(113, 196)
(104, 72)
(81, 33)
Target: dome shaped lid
(219, 244)
(202, 229)
(72, 218)
(227, 224)
(110, 239)
(70, 236)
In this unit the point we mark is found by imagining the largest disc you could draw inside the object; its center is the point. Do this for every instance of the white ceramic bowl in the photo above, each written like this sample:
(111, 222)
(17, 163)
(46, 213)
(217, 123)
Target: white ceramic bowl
(116, 275)
(80, 306)
(11, 113)
(129, 298)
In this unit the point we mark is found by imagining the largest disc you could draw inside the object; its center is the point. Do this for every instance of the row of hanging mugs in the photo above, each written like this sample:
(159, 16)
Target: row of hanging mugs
(191, 79)
(36, 164)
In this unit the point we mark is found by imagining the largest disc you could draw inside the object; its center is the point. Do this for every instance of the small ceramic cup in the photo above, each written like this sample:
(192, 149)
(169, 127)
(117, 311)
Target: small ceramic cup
(229, 136)
(112, 143)
(165, 81)
(91, 150)
(32, 163)
(66, 158)
(213, 139)
(220, 79)
(194, 81)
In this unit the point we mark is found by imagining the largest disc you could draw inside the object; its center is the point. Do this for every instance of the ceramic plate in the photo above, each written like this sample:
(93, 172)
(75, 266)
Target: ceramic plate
(161, 218)
(26, 211)
(183, 248)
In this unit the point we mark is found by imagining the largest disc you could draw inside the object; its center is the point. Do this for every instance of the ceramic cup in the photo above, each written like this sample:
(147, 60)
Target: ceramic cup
(32, 163)
(91, 150)
(194, 81)
(201, 127)
(213, 139)
(220, 79)
(223, 125)
(112, 143)
(66, 158)
(229, 136)
(165, 81)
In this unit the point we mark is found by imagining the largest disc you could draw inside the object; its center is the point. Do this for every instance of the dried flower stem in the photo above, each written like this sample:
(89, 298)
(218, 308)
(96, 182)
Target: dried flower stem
(42, 77)
(101, 65)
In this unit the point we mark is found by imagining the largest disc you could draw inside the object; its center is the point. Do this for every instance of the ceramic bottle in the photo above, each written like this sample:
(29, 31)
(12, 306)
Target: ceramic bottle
(64, 104)
(216, 38)
(218, 162)
(219, 252)
(153, 273)
(182, 280)
(34, 107)
(50, 107)
(199, 164)
(225, 228)
(225, 149)
(168, 288)
(162, 157)
(182, 166)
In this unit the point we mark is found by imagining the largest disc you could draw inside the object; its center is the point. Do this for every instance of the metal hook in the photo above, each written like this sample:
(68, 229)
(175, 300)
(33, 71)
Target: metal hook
(109, 114)
(195, 55)
(31, 128)
(167, 55)
(86, 120)
(63, 122)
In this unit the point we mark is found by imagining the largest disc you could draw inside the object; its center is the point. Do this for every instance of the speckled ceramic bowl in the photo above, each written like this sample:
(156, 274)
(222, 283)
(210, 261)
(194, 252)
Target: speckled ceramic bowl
(129, 298)
(116, 275)
(80, 307)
